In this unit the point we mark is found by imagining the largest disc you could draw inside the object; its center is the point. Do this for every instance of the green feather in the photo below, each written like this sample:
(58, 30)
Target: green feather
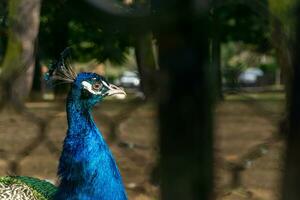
(43, 190)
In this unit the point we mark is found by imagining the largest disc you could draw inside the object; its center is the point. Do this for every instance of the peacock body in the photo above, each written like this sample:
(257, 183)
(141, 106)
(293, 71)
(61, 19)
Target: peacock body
(87, 169)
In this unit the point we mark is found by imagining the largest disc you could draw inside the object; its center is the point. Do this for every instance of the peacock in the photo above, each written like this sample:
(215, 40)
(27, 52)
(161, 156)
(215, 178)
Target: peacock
(87, 169)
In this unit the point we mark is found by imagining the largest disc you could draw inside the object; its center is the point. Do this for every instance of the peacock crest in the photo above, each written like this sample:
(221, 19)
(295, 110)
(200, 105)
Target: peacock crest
(61, 70)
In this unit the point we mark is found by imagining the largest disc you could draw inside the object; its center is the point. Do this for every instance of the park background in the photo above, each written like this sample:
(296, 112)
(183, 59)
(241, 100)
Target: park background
(212, 108)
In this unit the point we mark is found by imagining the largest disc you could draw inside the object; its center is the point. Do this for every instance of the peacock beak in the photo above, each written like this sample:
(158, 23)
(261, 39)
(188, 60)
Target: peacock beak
(116, 91)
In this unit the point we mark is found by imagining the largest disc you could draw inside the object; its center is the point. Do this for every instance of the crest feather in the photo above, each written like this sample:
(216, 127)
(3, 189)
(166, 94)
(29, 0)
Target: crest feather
(61, 69)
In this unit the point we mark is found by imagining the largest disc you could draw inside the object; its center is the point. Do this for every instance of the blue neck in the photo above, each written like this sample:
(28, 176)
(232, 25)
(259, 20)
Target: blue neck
(87, 168)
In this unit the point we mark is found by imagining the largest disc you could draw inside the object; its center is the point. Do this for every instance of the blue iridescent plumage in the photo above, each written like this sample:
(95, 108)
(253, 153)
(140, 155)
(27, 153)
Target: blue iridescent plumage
(87, 168)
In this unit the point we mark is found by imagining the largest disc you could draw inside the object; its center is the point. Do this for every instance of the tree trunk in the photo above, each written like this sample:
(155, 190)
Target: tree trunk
(216, 57)
(185, 105)
(146, 63)
(60, 35)
(23, 16)
(283, 54)
(3, 31)
(36, 89)
(291, 180)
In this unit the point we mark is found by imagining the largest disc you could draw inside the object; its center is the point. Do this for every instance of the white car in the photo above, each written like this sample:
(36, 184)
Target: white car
(129, 79)
(250, 76)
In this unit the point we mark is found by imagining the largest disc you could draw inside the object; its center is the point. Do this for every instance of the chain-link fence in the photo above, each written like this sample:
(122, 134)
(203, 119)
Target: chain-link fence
(31, 141)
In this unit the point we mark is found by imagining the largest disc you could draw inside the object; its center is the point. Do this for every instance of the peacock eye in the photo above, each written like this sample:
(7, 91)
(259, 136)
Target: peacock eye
(97, 86)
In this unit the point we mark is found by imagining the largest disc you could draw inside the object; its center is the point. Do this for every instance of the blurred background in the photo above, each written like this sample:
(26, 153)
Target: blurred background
(212, 108)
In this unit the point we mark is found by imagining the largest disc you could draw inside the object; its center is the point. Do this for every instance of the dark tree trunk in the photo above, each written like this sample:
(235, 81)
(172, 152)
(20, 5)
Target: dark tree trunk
(19, 55)
(146, 63)
(216, 57)
(291, 179)
(36, 89)
(60, 35)
(3, 31)
(283, 55)
(185, 105)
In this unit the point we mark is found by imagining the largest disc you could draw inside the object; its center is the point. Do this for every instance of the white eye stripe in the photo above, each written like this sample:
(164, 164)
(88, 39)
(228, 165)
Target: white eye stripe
(105, 84)
(111, 89)
(86, 85)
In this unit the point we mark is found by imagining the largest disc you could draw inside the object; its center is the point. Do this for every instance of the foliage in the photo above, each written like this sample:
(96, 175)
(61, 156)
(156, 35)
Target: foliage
(284, 11)
(239, 21)
(66, 23)
(270, 67)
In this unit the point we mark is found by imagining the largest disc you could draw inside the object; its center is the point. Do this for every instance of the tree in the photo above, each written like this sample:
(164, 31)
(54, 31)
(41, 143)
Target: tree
(283, 23)
(3, 28)
(185, 100)
(291, 178)
(23, 18)
(146, 63)
(144, 52)
(216, 55)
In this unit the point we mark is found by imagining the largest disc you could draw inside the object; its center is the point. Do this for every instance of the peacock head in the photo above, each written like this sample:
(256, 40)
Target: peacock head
(91, 88)
(87, 88)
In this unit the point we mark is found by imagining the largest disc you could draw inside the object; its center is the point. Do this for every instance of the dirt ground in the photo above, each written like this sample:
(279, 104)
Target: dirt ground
(247, 133)
(244, 123)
